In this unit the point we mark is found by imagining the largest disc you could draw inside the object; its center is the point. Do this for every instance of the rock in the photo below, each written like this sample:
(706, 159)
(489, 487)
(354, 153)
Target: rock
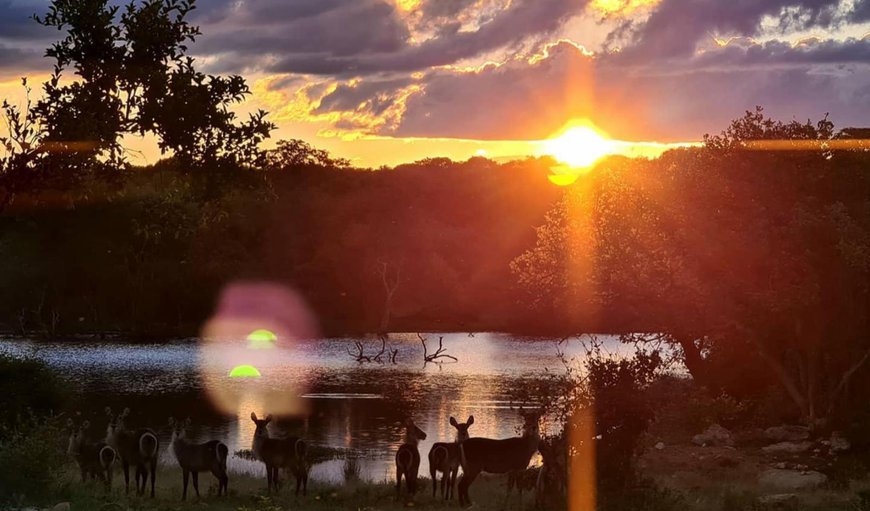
(781, 465)
(839, 442)
(788, 448)
(778, 499)
(791, 479)
(63, 506)
(714, 435)
(660, 446)
(787, 433)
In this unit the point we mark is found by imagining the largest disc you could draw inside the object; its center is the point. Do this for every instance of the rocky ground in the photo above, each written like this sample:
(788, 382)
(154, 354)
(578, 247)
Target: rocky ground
(777, 467)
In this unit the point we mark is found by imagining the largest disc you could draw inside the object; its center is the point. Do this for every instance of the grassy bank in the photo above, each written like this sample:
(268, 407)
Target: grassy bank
(249, 494)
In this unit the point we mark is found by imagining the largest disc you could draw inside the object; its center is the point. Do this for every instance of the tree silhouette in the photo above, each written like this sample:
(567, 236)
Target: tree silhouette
(134, 77)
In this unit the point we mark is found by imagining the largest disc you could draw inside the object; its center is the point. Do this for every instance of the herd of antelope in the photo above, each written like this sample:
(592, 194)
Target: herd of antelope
(140, 448)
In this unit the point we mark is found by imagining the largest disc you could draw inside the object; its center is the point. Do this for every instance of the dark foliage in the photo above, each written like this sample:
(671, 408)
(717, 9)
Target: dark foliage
(31, 451)
(27, 388)
(749, 255)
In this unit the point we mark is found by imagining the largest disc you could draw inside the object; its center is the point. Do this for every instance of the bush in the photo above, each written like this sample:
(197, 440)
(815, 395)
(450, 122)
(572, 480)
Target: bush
(604, 397)
(31, 458)
(351, 469)
(26, 387)
(31, 440)
(646, 497)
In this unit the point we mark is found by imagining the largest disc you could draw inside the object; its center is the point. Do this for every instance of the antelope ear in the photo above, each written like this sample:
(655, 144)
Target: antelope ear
(269, 418)
(470, 420)
(254, 416)
(453, 422)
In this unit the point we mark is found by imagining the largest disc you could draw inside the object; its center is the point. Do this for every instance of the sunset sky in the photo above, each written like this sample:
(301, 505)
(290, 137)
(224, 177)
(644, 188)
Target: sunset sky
(390, 81)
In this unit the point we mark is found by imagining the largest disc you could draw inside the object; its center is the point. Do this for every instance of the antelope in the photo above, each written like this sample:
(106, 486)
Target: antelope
(95, 459)
(194, 458)
(478, 455)
(408, 459)
(138, 448)
(444, 458)
(276, 453)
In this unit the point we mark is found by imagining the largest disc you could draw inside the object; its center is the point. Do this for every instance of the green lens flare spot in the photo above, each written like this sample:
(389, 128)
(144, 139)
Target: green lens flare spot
(245, 371)
(262, 339)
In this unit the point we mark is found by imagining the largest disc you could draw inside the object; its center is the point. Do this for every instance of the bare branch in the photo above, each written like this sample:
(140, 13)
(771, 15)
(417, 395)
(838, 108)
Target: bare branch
(438, 354)
(360, 355)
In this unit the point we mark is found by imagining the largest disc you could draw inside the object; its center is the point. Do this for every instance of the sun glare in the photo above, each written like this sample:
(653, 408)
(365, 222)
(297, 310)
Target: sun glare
(579, 146)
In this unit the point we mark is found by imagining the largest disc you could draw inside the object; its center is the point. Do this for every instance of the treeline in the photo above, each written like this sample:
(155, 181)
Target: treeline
(150, 253)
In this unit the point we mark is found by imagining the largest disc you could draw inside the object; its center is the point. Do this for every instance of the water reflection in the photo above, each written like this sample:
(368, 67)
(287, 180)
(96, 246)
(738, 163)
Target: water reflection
(348, 405)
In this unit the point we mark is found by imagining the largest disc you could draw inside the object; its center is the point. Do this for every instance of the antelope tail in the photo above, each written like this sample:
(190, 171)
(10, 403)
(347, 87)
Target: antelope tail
(301, 449)
(148, 445)
(222, 454)
(439, 455)
(107, 457)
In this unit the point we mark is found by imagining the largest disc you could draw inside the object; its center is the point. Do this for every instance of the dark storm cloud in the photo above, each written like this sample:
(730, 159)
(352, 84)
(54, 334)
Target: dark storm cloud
(263, 11)
(676, 26)
(522, 100)
(861, 13)
(368, 36)
(374, 97)
(15, 62)
(778, 53)
(16, 21)
(345, 29)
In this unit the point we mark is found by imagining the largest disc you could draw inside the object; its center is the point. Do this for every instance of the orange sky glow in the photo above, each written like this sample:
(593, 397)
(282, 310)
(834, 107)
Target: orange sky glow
(508, 79)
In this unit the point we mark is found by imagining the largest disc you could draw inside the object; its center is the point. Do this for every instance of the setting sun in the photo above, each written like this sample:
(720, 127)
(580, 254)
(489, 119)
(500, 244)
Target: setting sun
(579, 146)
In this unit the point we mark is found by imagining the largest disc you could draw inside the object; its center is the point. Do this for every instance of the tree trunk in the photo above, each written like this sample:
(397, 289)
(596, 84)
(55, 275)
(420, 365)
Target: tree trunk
(695, 363)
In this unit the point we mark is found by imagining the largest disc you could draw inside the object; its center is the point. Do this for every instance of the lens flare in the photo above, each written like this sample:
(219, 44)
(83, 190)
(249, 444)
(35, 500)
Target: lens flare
(262, 339)
(241, 359)
(245, 371)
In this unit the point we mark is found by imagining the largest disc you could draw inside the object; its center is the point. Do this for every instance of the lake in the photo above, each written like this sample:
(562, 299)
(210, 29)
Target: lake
(315, 386)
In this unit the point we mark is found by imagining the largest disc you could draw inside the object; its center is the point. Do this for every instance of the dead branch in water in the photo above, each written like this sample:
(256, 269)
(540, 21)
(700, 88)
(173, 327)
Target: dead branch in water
(360, 355)
(439, 353)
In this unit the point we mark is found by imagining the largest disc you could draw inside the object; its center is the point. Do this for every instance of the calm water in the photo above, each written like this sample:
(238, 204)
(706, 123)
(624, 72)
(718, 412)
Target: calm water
(315, 386)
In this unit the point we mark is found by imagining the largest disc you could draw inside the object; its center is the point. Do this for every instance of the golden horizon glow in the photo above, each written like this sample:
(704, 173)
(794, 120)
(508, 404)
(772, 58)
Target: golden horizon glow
(579, 145)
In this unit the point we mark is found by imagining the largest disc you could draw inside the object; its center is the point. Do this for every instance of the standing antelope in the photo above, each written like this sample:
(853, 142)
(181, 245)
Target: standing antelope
(194, 458)
(408, 459)
(497, 456)
(138, 448)
(444, 458)
(276, 453)
(95, 459)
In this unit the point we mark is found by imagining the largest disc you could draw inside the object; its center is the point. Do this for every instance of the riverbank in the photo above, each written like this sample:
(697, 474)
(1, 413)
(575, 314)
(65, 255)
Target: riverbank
(489, 493)
(247, 493)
